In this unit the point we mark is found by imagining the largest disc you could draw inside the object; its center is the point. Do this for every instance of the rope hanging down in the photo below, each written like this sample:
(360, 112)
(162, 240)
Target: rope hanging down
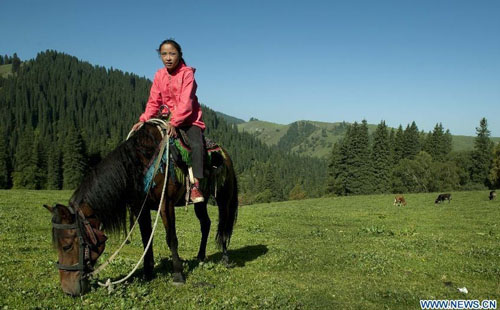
(163, 145)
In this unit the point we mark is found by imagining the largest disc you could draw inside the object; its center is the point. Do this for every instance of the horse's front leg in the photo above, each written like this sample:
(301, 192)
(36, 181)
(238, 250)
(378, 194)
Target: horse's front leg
(201, 212)
(146, 229)
(168, 218)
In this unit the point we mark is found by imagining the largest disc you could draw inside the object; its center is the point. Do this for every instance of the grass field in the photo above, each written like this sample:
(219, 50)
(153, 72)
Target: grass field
(332, 253)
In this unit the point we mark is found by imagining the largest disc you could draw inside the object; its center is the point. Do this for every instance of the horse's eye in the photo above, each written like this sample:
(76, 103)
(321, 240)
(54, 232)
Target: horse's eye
(67, 247)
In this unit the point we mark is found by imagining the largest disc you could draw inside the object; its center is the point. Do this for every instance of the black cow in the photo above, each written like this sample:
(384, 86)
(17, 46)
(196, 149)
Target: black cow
(493, 195)
(443, 197)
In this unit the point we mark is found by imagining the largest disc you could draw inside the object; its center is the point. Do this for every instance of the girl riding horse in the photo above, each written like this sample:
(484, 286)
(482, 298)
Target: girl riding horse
(174, 86)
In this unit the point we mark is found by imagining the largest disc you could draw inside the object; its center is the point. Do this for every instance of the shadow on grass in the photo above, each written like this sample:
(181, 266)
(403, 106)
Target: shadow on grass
(241, 256)
(237, 258)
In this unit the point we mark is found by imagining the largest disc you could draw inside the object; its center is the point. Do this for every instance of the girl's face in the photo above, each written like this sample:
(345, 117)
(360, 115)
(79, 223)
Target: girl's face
(169, 56)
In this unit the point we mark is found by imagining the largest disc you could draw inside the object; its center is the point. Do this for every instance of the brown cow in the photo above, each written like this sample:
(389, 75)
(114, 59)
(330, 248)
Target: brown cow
(399, 200)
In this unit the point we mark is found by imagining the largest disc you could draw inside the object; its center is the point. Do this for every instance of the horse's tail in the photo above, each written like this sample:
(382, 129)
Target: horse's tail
(227, 200)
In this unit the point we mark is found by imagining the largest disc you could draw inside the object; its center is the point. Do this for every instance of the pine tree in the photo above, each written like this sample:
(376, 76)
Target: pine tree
(54, 169)
(336, 170)
(16, 63)
(360, 177)
(494, 176)
(381, 159)
(399, 141)
(271, 183)
(4, 173)
(349, 165)
(447, 144)
(37, 163)
(411, 141)
(24, 175)
(482, 154)
(438, 144)
(429, 145)
(74, 160)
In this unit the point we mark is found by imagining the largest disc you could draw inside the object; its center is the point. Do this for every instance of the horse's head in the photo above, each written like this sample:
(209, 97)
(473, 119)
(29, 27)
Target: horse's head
(79, 243)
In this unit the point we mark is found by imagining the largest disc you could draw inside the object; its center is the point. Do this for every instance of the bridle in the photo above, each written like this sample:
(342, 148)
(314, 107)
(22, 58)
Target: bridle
(89, 239)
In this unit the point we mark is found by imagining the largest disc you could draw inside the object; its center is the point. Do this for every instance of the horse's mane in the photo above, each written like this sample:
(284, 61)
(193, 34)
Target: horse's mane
(117, 180)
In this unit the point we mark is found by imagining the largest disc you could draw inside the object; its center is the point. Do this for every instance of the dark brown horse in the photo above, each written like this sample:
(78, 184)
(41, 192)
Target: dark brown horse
(116, 184)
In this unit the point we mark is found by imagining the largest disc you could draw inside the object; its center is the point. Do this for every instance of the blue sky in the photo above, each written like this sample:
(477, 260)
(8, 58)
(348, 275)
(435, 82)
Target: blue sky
(426, 61)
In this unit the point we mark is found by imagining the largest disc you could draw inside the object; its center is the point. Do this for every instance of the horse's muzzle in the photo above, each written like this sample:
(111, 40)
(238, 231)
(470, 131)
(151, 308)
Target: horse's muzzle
(77, 287)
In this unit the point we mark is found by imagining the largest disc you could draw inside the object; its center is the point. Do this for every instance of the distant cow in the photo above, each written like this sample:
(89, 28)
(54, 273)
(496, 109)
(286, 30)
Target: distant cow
(443, 197)
(399, 200)
(493, 195)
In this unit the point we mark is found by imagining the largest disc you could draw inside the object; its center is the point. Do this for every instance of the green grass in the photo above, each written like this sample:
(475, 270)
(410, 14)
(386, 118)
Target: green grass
(5, 70)
(332, 253)
(269, 133)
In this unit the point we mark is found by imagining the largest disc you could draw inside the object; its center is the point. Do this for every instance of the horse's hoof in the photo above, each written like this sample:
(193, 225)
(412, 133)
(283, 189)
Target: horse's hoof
(148, 277)
(178, 283)
(225, 262)
(178, 279)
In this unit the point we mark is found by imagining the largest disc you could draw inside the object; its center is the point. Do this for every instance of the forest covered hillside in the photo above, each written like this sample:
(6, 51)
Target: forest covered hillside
(311, 138)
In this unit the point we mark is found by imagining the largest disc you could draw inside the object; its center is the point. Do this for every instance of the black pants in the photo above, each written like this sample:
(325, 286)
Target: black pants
(195, 137)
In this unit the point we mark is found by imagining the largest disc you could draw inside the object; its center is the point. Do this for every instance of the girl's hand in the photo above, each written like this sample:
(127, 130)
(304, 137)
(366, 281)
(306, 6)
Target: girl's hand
(171, 130)
(137, 126)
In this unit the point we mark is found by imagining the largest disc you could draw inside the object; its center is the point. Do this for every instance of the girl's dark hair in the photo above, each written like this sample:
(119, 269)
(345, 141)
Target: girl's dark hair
(174, 44)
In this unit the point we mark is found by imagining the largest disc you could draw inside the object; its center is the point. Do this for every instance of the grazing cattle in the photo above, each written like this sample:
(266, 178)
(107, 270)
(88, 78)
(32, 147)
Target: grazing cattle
(399, 200)
(443, 197)
(493, 195)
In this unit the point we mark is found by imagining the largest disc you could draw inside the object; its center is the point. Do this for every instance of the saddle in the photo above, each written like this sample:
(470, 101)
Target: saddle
(180, 163)
(181, 151)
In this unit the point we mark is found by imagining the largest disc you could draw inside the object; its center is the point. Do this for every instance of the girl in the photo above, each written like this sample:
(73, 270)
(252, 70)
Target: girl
(174, 87)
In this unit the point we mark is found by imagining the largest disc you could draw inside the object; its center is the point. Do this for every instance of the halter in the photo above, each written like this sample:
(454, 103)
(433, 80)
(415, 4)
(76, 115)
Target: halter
(87, 240)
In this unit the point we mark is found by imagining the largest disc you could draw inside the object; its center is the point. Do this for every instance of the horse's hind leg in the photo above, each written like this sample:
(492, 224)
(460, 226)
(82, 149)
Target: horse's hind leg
(201, 212)
(145, 226)
(168, 218)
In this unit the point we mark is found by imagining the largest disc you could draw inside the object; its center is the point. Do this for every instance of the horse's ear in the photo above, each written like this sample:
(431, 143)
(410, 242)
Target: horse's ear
(51, 209)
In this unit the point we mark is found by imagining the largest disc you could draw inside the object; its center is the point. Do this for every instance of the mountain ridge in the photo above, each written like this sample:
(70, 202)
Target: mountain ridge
(319, 142)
